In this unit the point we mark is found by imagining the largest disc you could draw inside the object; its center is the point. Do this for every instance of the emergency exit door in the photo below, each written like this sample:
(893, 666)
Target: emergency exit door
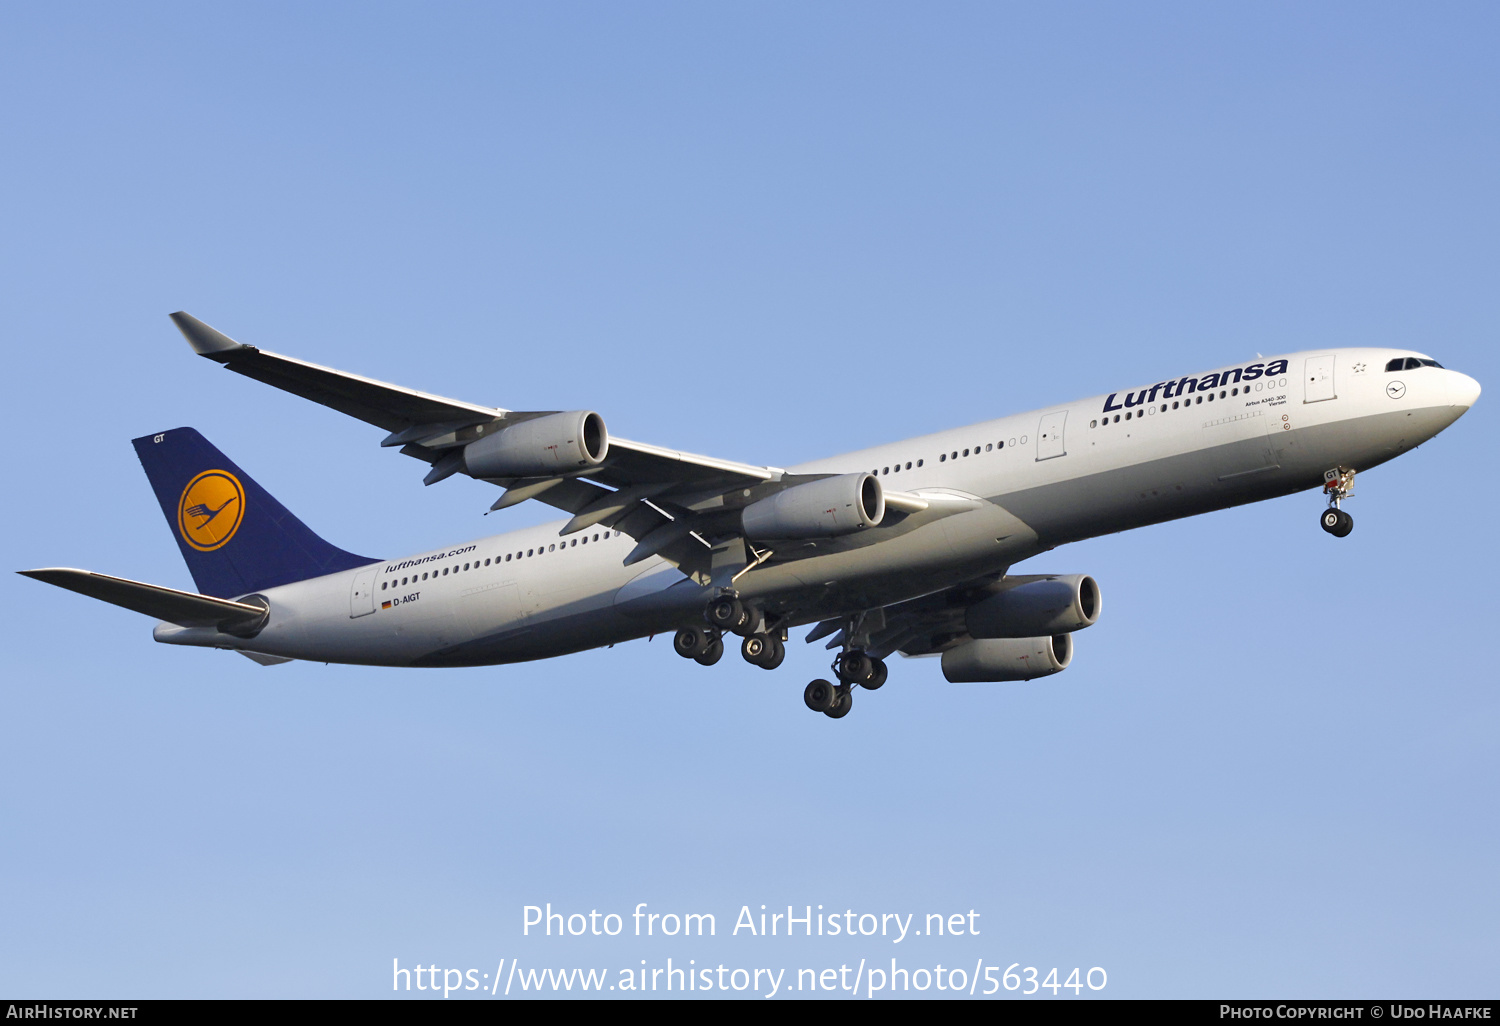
(1318, 379)
(1049, 436)
(362, 594)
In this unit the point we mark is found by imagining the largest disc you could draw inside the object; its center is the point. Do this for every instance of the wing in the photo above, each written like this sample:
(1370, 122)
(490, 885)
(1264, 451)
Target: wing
(646, 491)
(681, 506)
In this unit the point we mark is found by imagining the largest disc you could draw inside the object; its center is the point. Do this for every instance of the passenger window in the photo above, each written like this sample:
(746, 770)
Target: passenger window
(1127, 416)
(987, 448)
(1093, 423)
(942, 457)
(908, 464)
(919, 463)
(966, 452)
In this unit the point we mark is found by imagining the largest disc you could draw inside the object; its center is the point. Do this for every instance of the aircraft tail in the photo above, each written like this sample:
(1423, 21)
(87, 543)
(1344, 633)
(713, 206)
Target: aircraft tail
(235, 537)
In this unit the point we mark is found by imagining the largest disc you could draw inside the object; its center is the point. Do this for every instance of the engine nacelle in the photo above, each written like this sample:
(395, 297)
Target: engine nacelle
(818, 509)
(988, 660)
(558, 443)
(1049, 605)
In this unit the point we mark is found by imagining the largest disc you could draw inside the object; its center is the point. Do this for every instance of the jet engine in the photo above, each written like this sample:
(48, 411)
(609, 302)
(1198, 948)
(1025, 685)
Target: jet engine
(1037, 606)
(999, 659)
(559, 443)
(818, 509)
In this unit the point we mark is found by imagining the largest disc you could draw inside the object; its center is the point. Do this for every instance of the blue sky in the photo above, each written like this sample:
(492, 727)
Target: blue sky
(769, 232)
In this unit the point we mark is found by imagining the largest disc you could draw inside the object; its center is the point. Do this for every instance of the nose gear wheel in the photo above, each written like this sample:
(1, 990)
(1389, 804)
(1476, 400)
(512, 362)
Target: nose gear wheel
(1338, 485)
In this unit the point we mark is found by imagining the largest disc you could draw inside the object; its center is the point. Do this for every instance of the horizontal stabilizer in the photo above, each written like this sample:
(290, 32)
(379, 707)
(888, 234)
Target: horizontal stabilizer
(183, 608)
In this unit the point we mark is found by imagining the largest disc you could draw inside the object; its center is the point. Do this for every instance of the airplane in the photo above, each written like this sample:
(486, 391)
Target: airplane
(903, 547)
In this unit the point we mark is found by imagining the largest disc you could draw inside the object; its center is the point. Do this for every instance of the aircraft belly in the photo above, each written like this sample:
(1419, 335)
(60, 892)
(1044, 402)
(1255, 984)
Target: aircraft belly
(1202, 480)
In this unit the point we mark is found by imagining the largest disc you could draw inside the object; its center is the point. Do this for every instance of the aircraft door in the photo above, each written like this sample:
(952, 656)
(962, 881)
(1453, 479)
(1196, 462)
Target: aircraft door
(362, 594)
(1318, 379)
(1049, 436)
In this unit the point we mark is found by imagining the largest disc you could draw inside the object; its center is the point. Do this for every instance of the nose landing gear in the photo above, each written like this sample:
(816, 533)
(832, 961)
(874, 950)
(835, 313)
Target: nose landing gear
(1338, 485)
(1336, 522)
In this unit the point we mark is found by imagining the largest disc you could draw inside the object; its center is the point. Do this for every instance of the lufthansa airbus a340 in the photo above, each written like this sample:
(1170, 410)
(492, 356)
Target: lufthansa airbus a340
(897, 548)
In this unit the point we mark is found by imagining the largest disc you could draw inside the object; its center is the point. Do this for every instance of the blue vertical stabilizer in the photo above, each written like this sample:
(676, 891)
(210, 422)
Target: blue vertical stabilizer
(235, 537)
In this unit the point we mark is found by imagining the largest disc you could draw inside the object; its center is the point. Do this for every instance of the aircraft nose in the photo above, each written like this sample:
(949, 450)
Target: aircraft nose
(1462, 390)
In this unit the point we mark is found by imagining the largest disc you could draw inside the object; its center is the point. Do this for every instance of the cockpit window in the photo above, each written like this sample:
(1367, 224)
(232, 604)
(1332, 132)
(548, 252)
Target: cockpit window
(1410, 363)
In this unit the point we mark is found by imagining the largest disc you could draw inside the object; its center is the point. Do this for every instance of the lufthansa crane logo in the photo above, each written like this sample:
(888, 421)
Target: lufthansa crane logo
(210, 510)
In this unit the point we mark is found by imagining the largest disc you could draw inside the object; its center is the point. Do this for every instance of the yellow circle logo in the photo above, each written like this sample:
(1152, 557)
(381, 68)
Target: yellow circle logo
(210, 510)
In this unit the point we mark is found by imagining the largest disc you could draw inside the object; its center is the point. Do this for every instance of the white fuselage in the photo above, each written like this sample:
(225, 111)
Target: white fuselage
(1058, 474)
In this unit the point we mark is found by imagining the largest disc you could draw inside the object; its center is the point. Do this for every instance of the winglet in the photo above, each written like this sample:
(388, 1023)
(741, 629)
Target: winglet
(204, 340)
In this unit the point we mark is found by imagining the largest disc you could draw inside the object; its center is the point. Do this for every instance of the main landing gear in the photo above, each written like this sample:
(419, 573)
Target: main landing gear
(1338, 484)
(851, 668)
(761, 647)
(765, 646)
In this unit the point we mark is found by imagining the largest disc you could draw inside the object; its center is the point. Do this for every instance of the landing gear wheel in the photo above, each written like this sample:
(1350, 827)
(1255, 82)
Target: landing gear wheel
(691, 642)
(755, 649)
(843, 701)
(778, 653)
(877, 677)
(819, 696)
(727, 614)
(1337, 523)
(763, 650)
(712, 654)
(854, 668)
